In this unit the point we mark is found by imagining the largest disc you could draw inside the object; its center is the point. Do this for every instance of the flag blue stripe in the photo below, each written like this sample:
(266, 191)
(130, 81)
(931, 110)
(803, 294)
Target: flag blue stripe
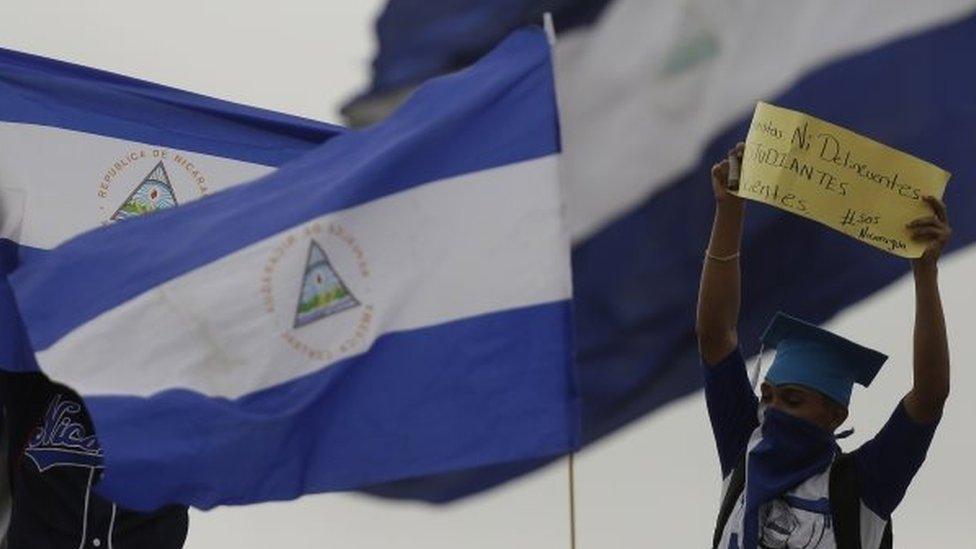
(8, 255)
(513, 84)
(36, 90)
(361, 421)
(15, 352)
(636, 281)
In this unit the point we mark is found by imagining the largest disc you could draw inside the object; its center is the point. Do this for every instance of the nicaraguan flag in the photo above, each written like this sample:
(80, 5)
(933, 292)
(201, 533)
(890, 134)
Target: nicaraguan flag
(394, 303)
(650, 97)
(421, 39)
(81, 148)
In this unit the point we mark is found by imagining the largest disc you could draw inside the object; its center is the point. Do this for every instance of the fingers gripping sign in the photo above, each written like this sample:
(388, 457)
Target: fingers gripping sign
(933, 231)
(725, 174)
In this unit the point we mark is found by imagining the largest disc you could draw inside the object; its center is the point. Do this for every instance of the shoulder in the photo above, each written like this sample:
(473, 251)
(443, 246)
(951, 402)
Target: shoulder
(886, 465)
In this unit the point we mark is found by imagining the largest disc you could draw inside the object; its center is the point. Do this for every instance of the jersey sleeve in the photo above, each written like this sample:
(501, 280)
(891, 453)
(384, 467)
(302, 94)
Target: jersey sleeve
(732, 408)
(887, 463)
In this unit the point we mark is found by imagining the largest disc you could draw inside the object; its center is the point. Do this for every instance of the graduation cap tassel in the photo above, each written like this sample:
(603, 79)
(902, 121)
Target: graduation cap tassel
(754, 378)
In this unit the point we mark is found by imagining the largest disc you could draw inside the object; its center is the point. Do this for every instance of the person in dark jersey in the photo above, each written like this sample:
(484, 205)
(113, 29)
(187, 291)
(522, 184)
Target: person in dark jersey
(54, 462)
(787, 484)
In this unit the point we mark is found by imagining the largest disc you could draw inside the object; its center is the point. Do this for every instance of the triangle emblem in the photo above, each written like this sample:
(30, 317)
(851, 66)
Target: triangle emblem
(323, 291)
(154, 193)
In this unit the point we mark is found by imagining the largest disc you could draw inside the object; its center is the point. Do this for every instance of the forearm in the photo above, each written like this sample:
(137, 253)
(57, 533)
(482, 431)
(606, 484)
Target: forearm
(719, 292)
(931, 348)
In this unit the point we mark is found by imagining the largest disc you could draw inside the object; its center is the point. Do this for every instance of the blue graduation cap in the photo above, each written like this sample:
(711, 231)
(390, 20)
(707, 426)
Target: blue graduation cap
(810, 356)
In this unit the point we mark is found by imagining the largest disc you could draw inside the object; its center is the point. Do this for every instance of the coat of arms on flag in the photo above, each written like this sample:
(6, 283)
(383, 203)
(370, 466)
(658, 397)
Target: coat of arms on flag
(154, 193)
(323, 291)
(239, 283)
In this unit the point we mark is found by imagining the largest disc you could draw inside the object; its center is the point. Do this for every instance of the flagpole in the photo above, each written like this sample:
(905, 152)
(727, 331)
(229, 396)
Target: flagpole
(572, 501)
(550, 30)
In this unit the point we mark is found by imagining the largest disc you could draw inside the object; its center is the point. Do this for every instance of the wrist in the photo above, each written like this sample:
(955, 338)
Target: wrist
(923, 268)
(721, 258)
(730, 205)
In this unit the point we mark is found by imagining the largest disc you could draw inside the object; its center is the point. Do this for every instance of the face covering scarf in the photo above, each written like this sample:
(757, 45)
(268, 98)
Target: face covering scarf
(790, 451)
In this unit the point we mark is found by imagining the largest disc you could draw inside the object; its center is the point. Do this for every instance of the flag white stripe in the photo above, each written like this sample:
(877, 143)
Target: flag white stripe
(59, 176)
(11, 213)
(474, 244)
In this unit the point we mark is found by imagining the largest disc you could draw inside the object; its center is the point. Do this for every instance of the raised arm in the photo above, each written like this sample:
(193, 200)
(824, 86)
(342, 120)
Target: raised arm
(930, 390)
(719, 293)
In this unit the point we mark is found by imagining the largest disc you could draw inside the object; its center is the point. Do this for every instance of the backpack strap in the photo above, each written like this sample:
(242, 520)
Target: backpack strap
(887, 537)
(845, 504)
(737, 482)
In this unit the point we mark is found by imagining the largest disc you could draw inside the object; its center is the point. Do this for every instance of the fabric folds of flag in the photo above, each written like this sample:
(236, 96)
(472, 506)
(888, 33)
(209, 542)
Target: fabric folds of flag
(81, 147)
(651, 96)
(421, 39)
(392, 304)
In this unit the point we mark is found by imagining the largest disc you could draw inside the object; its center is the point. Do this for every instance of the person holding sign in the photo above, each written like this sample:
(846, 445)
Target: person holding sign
(787, 483)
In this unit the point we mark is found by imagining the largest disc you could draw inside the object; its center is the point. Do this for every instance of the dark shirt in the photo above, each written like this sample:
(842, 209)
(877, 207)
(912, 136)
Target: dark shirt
(54, 464)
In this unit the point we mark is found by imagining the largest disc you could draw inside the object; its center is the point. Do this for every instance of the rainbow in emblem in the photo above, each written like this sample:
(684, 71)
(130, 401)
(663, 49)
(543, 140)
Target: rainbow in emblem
(323, 291)
(154, 193)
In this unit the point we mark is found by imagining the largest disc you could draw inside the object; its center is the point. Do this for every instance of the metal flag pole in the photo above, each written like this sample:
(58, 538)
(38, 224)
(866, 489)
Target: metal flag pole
(550, 30)
(572, 501)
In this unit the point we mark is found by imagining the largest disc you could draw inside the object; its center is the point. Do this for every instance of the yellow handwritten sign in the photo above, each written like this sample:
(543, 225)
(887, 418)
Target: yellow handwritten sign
(832, 175)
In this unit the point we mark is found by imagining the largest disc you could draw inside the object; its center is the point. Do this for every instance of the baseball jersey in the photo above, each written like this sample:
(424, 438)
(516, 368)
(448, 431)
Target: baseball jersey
(54, 463)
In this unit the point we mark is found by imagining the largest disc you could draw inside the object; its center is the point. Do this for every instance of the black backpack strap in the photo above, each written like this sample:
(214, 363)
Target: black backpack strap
(886, 539)
(737, 483)
(845, 504)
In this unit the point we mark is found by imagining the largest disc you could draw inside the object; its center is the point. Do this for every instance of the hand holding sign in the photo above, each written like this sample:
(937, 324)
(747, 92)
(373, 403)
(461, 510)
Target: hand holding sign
(933, 231)
(846, 181)
(722, 176)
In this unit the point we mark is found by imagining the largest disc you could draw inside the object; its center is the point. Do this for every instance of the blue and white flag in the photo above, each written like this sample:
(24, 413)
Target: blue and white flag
(421, 39)
(651, 96)
(394, 303)
(81, 148)
(675, 104)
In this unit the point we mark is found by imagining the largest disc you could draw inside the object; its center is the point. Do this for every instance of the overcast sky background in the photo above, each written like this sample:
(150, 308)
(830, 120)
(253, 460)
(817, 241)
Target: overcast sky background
(656, 483)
